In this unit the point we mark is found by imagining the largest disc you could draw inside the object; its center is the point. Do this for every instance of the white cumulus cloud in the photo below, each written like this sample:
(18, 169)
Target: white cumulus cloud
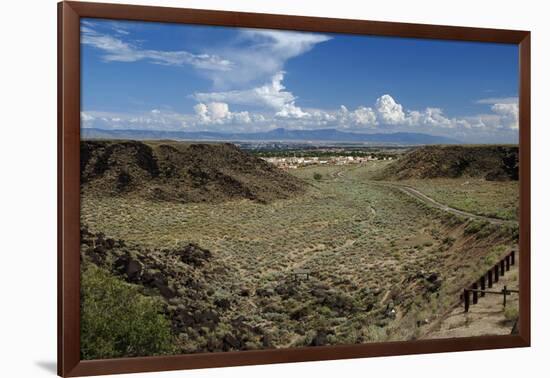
(362, 116)
(219, 113)
(509, 114)
(389, 111)
(272, 95)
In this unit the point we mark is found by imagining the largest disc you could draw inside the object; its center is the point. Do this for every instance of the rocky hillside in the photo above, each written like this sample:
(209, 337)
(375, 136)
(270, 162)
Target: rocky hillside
(187, 280)
(494, 163)
(185, 172)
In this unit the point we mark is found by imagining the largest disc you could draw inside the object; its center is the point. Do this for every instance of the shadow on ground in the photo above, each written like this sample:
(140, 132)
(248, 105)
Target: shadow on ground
(49, 366)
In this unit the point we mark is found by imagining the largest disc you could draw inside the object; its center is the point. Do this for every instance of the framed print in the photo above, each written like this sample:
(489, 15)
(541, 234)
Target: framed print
(239, 188)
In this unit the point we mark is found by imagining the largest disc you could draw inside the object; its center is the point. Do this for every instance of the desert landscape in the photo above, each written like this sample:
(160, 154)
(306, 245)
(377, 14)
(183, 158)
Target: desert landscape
(245, 189)
(207, 247)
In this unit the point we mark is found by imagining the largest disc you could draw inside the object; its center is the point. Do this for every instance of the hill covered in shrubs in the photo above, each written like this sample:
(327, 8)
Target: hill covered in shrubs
(494, 163)
(183, 172)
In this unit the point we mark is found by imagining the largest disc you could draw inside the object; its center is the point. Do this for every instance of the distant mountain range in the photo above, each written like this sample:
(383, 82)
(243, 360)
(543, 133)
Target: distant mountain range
(276, 135)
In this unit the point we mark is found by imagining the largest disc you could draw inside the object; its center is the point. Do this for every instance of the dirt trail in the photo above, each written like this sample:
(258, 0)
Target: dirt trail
(484, 318)
(415, 193)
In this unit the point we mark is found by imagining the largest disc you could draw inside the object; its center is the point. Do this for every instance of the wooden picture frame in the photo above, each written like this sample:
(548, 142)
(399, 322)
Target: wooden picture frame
(69, 14)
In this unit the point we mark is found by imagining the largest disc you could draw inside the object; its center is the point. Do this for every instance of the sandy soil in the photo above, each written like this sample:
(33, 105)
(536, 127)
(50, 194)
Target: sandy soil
(485, 318)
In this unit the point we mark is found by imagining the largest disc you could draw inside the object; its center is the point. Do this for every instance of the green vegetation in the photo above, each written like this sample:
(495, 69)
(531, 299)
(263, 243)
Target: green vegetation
(118, 321)
(475, 227)
(317, 176)
(511, 313)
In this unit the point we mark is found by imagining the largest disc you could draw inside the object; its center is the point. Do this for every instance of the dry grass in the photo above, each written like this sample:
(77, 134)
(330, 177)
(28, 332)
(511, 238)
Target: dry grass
(370, 250)
(478, 196)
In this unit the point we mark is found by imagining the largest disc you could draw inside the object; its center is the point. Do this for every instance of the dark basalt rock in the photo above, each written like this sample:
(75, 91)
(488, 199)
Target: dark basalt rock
(231, 342)
(193, 255)
(266, 341)
(206, 318)
(223, 303)
(320, 339)
(127, 265)
(265, 292)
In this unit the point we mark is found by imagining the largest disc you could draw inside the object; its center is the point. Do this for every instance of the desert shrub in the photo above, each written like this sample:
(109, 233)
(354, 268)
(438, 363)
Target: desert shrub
(512, 231)
(376, 333)
(449, 240)
(474, 227)
(511, 313)
(317, 176)
(488, 230)
(494, 255)
(117, 320)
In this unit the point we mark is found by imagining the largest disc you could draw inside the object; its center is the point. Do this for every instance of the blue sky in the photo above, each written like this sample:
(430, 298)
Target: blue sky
(138, 75)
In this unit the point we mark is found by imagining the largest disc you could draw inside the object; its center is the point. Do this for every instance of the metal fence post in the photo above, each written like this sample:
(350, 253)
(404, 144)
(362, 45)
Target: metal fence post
(489, 279)
(474, 294)
(495, 270)
(513, 257)
(466, 300)
(482, 285)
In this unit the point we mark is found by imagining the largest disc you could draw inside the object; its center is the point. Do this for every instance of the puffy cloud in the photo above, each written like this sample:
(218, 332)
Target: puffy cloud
(509, 114)
(390, 111)
(218, 110)
(504, 116)
(362, 116)
(387, 112)
(242, 117)
(506, 109)
(85, 117)
(219, 113)
(290, 110)
(202, 112)
(505, 113)
(272, 95)
(432, 117)
(277, 107)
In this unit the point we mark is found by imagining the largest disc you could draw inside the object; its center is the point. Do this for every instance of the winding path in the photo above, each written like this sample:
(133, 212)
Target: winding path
(415, 193)
(418, 195)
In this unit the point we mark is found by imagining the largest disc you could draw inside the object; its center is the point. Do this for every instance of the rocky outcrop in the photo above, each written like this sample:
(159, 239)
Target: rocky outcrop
(182, 172)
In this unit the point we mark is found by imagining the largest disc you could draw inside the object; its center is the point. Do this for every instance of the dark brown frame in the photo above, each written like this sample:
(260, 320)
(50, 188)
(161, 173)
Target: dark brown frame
(69, 13)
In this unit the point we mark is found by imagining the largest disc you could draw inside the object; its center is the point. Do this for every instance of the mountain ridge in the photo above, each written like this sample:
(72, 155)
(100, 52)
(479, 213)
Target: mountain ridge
(279, 134)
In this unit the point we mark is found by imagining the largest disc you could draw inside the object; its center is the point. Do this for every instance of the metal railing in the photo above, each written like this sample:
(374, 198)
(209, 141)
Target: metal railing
(478, 288)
